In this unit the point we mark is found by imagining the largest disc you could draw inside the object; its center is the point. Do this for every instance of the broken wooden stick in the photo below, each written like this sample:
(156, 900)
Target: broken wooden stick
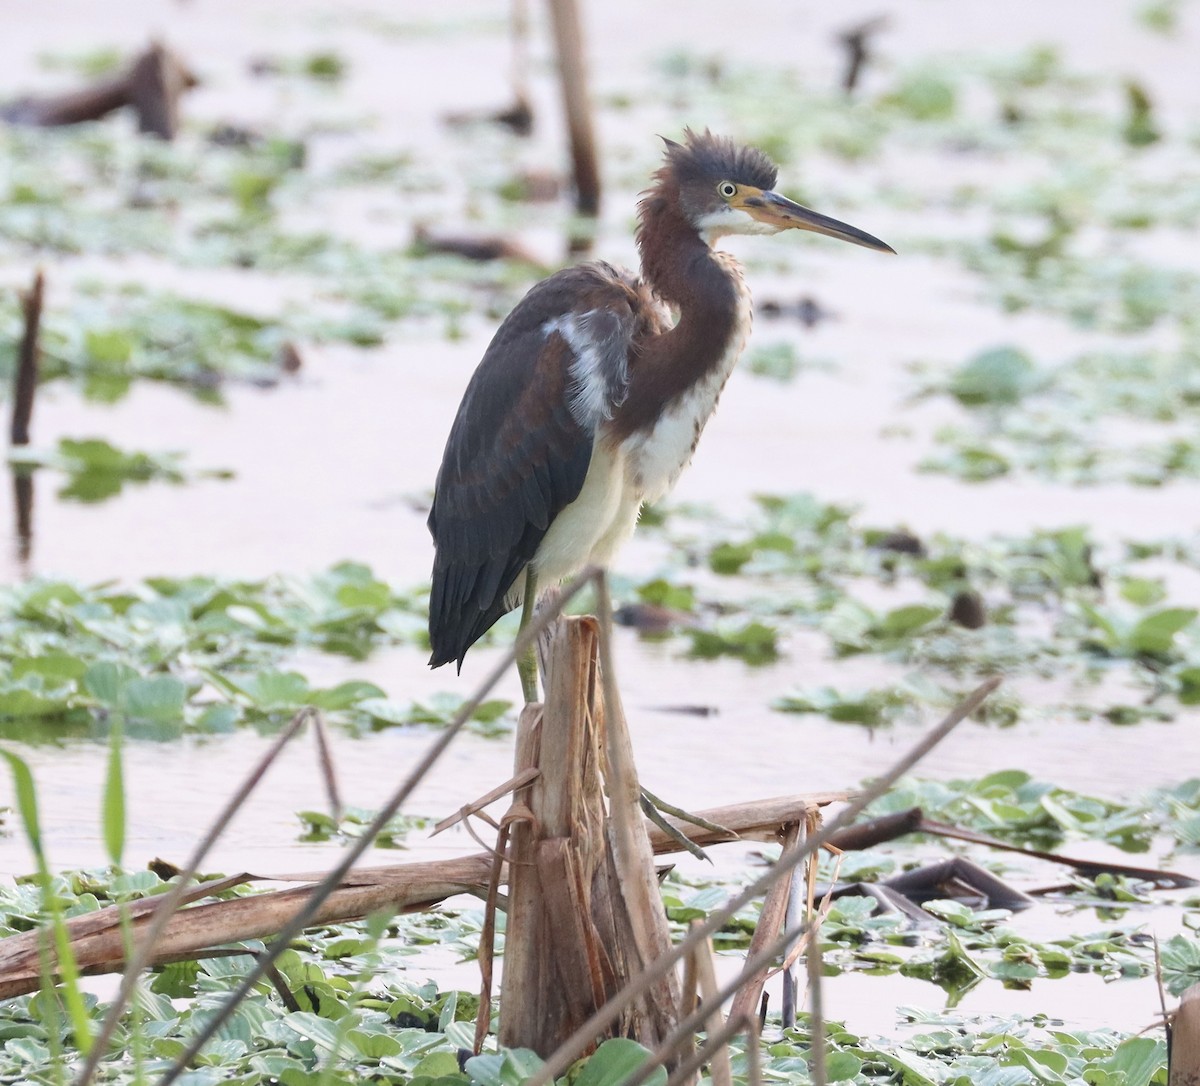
(1183, 1041)
(152, 85)
(770, 924)
(99, 945)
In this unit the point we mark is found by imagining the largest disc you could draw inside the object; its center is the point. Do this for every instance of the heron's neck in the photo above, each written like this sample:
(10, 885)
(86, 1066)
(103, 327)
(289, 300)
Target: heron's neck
(712, 302)
(680, 266)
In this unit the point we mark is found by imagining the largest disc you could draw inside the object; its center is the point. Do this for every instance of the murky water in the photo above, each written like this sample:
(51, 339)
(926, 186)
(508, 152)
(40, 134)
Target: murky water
(336, 463)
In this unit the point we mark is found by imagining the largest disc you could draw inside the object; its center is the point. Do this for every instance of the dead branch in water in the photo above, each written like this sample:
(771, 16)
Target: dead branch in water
(152, 86)
(100, 947)
(25, 379)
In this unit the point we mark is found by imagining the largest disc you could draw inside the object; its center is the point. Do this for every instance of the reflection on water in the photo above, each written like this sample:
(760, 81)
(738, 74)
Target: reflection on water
(22, 481)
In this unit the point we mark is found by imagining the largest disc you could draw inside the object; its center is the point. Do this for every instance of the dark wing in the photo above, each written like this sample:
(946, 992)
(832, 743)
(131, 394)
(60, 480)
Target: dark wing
(520, 447)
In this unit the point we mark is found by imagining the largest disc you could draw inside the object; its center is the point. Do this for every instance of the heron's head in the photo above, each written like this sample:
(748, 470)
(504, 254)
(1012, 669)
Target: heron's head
(722, 188)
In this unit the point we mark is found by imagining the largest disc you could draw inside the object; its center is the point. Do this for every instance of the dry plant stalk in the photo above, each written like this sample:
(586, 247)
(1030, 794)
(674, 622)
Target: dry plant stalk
(1183, 1041)
(513, 784)
(816, 1009)
(770, 923)
(570, 932)
(153, 85)
(568, 41)
(720, 1069)
(636, 880)
(25, 378)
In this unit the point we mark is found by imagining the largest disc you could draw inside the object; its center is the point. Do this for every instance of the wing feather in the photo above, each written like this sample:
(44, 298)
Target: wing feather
(520, 446)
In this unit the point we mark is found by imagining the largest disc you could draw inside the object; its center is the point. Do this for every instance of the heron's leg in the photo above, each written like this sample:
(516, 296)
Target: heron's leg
(527, 666)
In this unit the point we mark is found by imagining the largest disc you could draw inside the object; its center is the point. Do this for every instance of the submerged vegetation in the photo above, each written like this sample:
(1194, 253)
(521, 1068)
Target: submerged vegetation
(223, 257)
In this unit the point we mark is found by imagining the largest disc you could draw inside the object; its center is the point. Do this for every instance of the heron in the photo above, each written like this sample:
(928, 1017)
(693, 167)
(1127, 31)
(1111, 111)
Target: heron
(593, 393)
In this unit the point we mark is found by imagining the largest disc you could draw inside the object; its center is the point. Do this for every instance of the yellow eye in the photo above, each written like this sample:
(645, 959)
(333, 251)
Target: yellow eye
(727, 190)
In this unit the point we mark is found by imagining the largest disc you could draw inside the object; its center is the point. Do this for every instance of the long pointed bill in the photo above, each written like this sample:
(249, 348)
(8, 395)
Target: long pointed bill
(783, 214)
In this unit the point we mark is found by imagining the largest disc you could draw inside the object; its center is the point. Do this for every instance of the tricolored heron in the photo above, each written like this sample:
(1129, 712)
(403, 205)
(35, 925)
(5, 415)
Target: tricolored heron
(592, 395)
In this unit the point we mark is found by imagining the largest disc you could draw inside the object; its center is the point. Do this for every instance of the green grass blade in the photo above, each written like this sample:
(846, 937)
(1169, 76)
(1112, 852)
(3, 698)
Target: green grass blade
(26, 793)
(114, 796)
(26, 803)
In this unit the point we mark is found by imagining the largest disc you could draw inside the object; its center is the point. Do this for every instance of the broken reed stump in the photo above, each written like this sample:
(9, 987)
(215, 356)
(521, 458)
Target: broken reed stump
(571, 937)
(856, 41)
(1183, 1040)
(152, 85)
(25, 379)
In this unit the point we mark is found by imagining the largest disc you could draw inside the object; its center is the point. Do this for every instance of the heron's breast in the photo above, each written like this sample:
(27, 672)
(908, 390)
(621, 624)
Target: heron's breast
(656, 455)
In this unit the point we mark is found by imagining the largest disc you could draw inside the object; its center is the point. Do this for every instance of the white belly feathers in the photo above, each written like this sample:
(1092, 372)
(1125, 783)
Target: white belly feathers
(643, 467)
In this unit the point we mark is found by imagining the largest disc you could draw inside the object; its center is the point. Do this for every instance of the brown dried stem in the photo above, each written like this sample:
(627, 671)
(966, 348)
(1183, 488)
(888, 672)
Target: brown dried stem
(25, 379)
(568, 40)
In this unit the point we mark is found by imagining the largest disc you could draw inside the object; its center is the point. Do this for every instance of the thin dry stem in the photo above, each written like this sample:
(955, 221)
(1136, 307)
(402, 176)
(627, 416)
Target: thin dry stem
(772, 919)
(513, 784)
(567, 26)
(632, 854)
(791, 982)
(753, 1056)
(720, 1069)
(487, 942)
(325, 760)
(816, 1009)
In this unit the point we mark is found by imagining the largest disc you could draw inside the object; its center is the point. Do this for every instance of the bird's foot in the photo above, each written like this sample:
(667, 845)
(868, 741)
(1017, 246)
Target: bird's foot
(654, 809)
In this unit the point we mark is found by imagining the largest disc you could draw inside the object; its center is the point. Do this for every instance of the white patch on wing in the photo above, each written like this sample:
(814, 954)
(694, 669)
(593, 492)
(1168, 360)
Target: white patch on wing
(642, 468)
(599, 341)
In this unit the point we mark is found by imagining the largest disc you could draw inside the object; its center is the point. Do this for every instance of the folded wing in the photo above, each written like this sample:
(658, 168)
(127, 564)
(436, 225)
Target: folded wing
(520, 446)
